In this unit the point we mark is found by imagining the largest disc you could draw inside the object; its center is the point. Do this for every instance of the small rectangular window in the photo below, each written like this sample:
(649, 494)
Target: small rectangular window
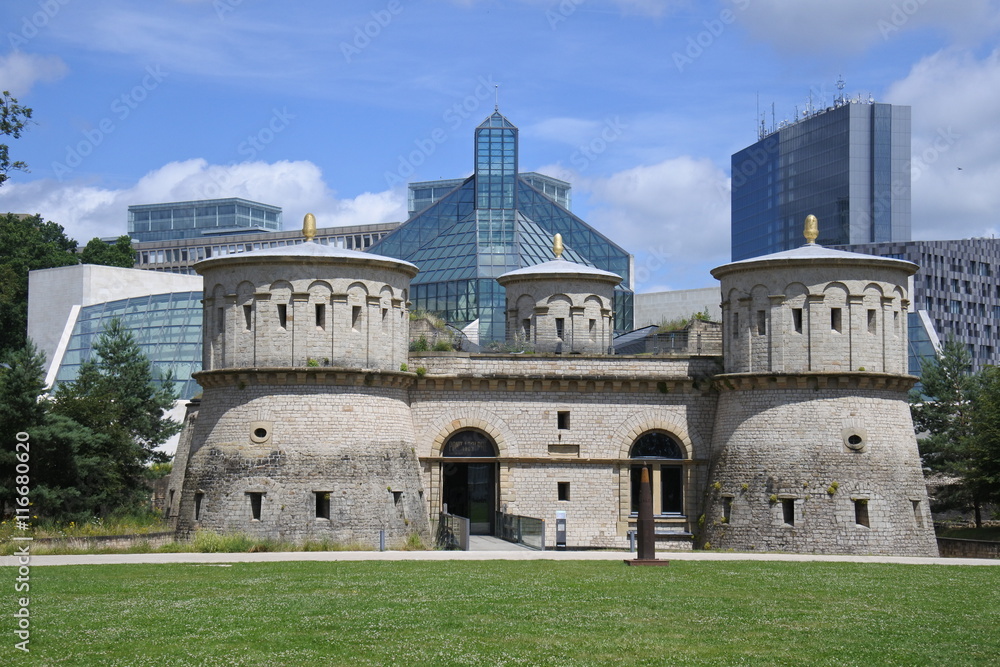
(593, 330)
(560, 327)
(170, 503)
(761, 322)
(322, 504)
(788, 511)
(727, 509)
(895, 322)
(221, 319)
(320, 316)
(861, 512)
(526, 327)
(736, 325)
(198, 497)
(836, 319)
(563, 490)
(797, 320)
(917, 514)
(255, 503)
(247, 317)
(872, 321)
(355, 316)
(385, 314)
(562, 419)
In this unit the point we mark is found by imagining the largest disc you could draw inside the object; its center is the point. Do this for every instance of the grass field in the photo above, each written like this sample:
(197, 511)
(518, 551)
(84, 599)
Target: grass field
(510, 613)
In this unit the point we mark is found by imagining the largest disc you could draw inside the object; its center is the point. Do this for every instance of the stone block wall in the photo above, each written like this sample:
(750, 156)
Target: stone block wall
(825, 464)
(300, 314)
(289, 436)
(604, 409)
(788, 319)
(561, 315)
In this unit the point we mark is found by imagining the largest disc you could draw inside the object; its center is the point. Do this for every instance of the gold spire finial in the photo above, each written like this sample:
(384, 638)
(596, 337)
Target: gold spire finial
(557, 246)
(309, 226)
(811, 230)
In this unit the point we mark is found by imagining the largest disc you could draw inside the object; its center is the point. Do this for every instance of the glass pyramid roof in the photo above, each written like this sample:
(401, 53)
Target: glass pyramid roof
(462, 241)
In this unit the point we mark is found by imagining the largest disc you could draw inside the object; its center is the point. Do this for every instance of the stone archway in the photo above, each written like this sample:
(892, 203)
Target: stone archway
(469, 478)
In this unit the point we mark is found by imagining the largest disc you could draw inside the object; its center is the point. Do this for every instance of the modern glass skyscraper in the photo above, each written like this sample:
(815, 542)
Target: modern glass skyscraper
(194, 219)
(492, 222)
(849, 165)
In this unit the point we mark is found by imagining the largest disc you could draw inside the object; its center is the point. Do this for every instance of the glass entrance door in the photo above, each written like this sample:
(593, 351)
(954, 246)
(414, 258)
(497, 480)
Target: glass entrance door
(480, 497)
(470, 491)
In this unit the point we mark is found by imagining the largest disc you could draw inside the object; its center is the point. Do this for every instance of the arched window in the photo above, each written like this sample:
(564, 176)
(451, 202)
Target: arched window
(467, 444)
(661, 453)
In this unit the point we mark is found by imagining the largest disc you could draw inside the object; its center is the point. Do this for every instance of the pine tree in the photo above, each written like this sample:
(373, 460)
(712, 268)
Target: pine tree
(56, 444)
(943, 410)
(115, 395)
(21, 384)
(984, 440)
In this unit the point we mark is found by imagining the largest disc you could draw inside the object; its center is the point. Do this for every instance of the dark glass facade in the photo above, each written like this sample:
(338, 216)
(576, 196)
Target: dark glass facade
(848, 166)
(194, 219)
(493, 222)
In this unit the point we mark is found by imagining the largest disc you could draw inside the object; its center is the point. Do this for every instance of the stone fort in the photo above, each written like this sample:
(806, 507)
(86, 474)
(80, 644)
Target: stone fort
(317, 422)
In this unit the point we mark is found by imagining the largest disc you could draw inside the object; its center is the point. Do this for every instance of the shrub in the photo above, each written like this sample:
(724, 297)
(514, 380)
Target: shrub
(443, 345)
(419, 345)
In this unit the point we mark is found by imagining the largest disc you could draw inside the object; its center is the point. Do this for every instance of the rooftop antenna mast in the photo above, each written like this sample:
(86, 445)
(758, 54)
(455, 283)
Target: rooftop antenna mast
(758, 121)
(496, 93)
(840, 87)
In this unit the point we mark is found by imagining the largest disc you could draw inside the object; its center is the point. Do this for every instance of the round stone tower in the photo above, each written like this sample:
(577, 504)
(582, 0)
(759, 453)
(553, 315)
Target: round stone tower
(560, 306)
(813, 446)
(303, 430)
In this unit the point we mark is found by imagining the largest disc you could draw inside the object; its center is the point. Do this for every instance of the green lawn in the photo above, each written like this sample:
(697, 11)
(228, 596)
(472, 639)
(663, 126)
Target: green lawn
(510, 613)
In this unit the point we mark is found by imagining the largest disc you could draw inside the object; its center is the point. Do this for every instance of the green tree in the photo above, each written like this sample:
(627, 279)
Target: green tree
(54, 447)
(117, 396)
(944, 411)
(984, 440)
(118, 253)
(13, 118)
(27, 243)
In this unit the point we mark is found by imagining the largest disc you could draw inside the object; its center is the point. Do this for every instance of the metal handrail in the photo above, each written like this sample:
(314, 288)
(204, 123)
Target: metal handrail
(452, 532)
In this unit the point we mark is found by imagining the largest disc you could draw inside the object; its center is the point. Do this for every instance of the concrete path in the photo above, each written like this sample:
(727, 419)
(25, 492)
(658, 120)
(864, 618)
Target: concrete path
(518, 554)
(490, 543)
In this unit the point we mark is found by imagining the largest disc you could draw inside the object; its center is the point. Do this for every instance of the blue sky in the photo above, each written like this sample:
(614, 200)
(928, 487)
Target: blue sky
(332, 107)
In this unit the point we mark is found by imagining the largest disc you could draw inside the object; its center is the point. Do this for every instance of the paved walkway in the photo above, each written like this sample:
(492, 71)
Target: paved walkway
(517, 553)
(490, 543)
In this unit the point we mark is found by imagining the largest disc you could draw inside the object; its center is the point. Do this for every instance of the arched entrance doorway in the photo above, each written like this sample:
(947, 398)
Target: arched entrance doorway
(469, 482)
(663, 455)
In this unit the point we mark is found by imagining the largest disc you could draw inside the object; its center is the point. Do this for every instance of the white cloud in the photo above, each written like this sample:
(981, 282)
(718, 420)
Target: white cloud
(20, 71)
(955, 100)
(673, 215)
(86, 211)
(852, 26)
